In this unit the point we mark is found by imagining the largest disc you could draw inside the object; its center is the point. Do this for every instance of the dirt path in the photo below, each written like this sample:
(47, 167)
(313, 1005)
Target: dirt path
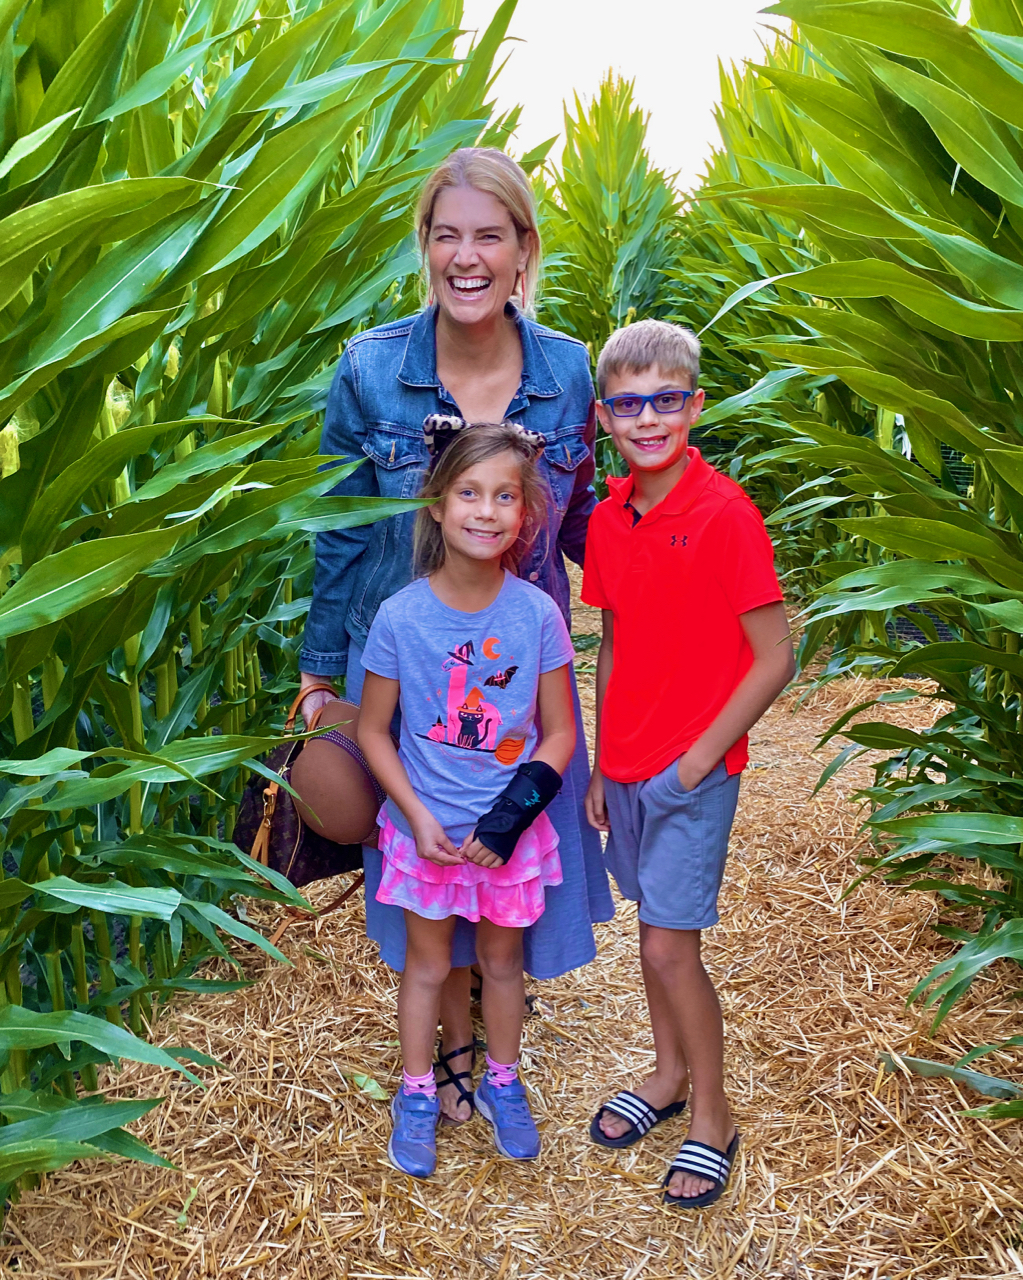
(845, 1171)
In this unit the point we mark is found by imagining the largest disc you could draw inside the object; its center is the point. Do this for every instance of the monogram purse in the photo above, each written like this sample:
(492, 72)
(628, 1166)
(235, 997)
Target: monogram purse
(322, 833)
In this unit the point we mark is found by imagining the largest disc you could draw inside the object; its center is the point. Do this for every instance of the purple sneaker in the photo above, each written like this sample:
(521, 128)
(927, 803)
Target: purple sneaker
(506, 1107)
(413, 1144)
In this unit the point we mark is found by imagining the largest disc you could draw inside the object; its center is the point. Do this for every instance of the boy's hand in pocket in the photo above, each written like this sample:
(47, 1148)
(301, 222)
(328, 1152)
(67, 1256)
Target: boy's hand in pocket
(690, 771)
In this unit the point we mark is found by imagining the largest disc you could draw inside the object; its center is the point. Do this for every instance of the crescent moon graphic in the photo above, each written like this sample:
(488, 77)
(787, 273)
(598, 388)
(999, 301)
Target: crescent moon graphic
(490, 649)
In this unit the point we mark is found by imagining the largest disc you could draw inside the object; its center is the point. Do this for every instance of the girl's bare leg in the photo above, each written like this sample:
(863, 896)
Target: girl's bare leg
(499, 954)
(427, 966)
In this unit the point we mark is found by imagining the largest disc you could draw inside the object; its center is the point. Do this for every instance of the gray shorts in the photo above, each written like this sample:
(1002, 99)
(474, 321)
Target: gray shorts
(667, 846)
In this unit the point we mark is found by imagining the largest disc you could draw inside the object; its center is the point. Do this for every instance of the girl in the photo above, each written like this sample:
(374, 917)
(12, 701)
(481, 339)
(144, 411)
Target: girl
(476, 656)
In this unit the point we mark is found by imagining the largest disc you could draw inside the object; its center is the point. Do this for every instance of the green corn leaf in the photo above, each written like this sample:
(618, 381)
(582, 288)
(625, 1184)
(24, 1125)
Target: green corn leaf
(69, 1121)
(34, 141)
(914, 536)
(119, 1142)
(990, 1086)
(104, 461)
(964, 129)
(67, 581)
(210, 457)
(26, 1029)
(112, 897)
(41, 228)
(229, 924)
(959, 828)
(44, 1155)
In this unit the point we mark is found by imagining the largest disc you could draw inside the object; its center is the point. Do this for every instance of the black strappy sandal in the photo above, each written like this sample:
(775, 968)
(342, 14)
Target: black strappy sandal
(705, 1162)
(455, 1078)
(639, 1113)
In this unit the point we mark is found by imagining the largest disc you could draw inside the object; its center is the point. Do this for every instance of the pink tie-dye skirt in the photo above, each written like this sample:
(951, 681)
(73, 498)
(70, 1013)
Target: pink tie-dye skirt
(512, 895)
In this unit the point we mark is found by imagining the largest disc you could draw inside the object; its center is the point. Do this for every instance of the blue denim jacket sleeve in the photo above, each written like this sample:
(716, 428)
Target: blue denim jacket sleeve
(572, 535)
(324, 649)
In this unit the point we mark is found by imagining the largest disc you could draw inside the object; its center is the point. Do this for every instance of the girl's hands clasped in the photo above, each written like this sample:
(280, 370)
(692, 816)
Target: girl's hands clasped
(474, 850)
(433, 844)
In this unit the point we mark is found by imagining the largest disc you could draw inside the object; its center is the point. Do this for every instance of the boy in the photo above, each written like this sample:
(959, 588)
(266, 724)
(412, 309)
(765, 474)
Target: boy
(695, 648)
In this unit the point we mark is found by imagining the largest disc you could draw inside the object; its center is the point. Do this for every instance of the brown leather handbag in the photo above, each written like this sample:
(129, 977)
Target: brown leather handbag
(321, 834)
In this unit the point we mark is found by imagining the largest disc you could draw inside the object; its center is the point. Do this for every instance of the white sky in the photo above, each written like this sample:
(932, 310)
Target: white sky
(669, 47)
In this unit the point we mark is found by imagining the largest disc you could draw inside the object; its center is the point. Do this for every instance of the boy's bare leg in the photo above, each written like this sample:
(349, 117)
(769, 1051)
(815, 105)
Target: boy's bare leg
(674, 955)
(455, 1031)
(669, 1081)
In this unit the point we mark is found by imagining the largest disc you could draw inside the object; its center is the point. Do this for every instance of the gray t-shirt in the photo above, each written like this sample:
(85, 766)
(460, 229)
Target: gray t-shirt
(468, 692)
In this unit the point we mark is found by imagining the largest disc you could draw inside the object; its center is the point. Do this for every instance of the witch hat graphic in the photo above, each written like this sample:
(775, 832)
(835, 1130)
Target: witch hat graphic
(462, 653)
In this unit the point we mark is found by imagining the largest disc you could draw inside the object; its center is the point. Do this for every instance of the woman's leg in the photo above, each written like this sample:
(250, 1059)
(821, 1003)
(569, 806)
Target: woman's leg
(456, 1033)
(499, 953)
(427, 966)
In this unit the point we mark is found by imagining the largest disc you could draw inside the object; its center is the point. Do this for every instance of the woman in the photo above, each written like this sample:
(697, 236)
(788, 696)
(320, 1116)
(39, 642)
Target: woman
(472, 353)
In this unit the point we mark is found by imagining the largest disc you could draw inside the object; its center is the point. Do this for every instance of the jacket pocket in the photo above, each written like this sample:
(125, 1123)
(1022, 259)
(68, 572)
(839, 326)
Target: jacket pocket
(564, 455)
(400, 459)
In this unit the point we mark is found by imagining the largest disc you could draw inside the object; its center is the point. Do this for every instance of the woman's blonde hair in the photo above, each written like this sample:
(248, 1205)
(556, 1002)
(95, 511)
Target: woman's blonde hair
(483, 440)
(490, 170)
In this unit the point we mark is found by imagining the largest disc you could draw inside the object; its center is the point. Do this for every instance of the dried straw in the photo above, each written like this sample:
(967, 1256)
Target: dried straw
(845, 1171)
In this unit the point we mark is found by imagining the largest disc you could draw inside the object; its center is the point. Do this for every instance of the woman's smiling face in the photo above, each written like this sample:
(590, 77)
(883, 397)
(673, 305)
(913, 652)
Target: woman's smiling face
(474, 254)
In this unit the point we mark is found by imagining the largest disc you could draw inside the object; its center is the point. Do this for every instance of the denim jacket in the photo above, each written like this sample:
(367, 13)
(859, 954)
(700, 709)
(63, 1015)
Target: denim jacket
(385, 385)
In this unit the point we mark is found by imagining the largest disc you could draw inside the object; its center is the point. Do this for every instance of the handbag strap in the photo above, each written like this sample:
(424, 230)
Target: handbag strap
(321, 686)
(261, 844)
(295, 916)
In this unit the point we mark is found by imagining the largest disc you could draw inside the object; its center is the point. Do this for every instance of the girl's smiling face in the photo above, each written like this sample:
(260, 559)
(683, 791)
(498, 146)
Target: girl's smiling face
(482, 512)
(474, 255)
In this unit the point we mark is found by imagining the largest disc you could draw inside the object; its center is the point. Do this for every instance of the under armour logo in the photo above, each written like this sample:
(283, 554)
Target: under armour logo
(675, 539)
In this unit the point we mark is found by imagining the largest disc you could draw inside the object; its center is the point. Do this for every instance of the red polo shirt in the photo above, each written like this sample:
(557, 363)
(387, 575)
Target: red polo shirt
(676, 582)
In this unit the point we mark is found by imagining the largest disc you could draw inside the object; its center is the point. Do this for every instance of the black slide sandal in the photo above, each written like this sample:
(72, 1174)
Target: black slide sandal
(706, 1162)
(639, 1113)
(455, 1078)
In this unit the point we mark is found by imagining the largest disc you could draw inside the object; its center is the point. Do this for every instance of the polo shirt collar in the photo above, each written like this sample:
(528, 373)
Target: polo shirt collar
(693, 481)
(419, 366)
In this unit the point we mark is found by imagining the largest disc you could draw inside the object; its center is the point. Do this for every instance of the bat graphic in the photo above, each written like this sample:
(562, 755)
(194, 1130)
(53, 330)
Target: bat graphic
(502, 679)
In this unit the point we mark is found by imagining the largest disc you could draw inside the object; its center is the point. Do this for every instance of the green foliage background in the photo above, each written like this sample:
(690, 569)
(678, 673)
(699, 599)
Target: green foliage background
(199, 202)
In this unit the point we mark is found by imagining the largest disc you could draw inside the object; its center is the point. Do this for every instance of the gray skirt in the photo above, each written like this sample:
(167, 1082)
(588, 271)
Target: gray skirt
(562, 939)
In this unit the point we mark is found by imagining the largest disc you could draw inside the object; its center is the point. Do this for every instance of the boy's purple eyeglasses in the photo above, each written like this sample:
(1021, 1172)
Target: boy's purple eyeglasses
(663, 402)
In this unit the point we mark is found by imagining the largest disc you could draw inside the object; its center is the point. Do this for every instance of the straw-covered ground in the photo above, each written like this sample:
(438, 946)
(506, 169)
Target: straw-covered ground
(845, 1171)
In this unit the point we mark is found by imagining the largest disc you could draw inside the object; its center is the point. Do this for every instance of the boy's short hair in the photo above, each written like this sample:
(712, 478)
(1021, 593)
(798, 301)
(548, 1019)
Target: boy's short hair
(646, 343)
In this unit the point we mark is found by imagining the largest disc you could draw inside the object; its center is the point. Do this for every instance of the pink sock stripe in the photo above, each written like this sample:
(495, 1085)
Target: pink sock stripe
(420, 1084)
(502, 1073)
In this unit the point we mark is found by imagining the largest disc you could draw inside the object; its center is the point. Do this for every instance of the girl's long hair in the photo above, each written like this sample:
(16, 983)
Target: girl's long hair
(481, 441)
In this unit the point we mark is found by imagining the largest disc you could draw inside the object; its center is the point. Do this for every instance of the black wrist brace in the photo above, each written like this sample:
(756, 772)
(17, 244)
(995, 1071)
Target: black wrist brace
(532, 788)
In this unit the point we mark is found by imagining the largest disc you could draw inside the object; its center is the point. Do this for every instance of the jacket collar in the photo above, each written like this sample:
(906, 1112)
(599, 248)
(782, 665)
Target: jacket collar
(419, 367)
(694, 479)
